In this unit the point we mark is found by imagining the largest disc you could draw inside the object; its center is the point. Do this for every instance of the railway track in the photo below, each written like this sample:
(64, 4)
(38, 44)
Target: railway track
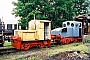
(13, 50)
(8, 51)
(5, 50)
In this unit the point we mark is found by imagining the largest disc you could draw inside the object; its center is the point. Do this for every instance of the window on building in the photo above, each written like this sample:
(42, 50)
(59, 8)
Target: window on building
(9, 26)
(15, 26)
(2, 26)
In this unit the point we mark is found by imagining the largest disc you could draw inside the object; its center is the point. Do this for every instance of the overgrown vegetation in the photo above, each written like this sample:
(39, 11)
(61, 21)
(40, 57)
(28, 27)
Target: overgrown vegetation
(7, 44)
(35, 58)
(86, 40)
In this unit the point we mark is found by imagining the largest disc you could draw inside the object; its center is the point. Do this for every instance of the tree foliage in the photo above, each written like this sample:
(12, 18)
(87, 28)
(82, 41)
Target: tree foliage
(81, 6)
(57, 11)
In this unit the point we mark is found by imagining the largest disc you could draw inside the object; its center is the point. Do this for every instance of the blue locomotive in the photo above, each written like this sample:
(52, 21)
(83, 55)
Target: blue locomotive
(71, 31)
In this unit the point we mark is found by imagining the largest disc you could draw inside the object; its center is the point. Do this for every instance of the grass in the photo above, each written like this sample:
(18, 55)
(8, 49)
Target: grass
(70, 47)
(7, 44)
(35, 58)
(32, 58)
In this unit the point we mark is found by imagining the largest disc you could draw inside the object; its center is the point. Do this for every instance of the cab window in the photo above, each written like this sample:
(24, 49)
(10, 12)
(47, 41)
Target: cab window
(68, 23)
(72, 24)
(64, 25)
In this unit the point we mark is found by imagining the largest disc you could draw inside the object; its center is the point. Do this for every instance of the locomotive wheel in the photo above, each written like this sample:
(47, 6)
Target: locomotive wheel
(41, 45)
(67, 41)
(75, 40)
(25, 46)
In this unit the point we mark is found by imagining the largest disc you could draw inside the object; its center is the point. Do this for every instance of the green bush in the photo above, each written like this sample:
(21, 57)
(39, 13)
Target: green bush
(86, 40)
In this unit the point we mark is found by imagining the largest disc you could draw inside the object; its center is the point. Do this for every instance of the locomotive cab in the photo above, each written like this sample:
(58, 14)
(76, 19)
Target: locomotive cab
(72, 27)
(73, 33)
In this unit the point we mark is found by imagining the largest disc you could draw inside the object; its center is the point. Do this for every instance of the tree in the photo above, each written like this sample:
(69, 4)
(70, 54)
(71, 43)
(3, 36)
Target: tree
(57, 11)
(81, 6)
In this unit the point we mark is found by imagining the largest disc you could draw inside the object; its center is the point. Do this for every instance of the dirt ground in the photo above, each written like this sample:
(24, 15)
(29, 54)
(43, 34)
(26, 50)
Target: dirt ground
(70, 55)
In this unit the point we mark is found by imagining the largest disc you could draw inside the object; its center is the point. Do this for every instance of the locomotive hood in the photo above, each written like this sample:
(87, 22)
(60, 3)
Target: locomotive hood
(56, 31)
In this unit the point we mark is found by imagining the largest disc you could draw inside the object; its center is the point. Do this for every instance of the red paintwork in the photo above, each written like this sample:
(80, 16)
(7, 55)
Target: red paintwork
(77, 39)
(25, 45)
(68, 40)
(16, 42)
(56, 37)
(65, 40)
